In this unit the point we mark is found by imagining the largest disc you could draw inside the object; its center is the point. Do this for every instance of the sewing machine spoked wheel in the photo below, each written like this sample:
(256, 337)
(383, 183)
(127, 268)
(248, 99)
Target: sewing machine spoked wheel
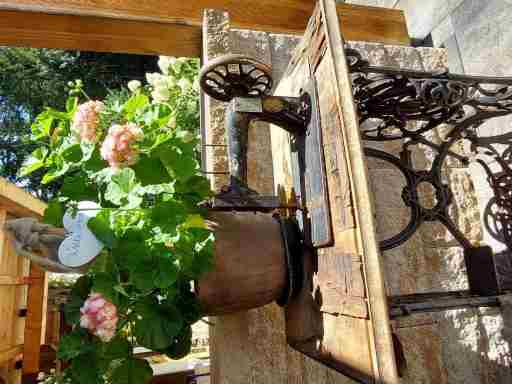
(233, 76)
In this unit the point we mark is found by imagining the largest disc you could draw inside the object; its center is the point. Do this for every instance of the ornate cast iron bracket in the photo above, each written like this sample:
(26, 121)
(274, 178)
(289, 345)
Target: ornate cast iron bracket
(245, 84)
(407, 105)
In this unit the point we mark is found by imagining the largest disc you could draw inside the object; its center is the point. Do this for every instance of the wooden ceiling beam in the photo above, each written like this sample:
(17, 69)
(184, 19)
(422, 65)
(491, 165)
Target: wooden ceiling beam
(41, 30)
(279, 16)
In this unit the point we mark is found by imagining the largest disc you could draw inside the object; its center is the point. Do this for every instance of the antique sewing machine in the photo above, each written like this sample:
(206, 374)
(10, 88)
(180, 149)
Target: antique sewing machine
(334, 103)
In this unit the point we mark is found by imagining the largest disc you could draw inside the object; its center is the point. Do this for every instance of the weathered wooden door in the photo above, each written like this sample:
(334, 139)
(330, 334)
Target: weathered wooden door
(341, 317)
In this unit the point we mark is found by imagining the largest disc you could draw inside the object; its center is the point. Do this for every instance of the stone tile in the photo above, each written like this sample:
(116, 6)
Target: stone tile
(422, 349)
(484, 36)
(423, 16)
(443, 31)
(433, 59)
(495, 349)
(455, 64)
(281, 49)
(460, 352)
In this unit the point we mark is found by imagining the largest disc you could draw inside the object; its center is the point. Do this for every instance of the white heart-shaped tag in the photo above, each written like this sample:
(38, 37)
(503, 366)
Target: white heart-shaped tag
(81, 246)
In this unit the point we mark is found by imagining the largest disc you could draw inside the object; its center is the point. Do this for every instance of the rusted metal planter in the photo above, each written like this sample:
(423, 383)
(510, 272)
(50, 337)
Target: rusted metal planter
(251, 268)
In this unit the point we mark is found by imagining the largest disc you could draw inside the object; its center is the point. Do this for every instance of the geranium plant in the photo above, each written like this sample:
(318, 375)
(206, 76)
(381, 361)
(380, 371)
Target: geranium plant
(134, 154)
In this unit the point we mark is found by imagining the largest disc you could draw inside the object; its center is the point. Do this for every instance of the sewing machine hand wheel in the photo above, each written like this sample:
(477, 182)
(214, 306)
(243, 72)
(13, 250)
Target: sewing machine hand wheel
(233, 76)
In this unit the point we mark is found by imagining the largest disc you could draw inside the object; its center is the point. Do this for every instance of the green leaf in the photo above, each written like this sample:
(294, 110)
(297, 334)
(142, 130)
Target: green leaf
(134, 104)
(87, 150)
(78, 188)
(72, 310)
(59, 168)
(132, 371)
(79, 294)
(131, 250)
(179, 164)
(181, 344)
(124, 190)
(166, 272)
(82, 287)
(150, 170)
(71, 345)
(84, 369)
(71, 104)
(34, 162)
(189, 306)
(100, 227)
(194, 221)
(72, 153)
(104, 283)
(120, 289)
(199, 185)
(158, 324)
(93, 163)
(168, 214)
(157, 189)
(54, 213)
(142, 275)
(117, 348)
(41, 128)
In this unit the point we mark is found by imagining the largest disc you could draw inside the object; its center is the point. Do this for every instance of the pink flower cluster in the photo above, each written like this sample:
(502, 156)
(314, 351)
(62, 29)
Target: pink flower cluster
(99, 316)
(85, 121)
(118, 148)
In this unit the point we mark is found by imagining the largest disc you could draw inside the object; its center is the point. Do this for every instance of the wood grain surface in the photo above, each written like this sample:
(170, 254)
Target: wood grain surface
(173, 27)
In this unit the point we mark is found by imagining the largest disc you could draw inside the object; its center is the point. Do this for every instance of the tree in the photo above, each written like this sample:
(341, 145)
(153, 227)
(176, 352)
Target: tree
(34, 79)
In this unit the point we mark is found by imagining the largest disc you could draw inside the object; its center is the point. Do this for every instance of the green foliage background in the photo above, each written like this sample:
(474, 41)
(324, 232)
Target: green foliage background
(34, 79)
(157, 241)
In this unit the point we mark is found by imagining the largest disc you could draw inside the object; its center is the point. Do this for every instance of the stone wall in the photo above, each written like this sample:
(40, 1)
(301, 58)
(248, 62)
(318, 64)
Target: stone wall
(464, 346)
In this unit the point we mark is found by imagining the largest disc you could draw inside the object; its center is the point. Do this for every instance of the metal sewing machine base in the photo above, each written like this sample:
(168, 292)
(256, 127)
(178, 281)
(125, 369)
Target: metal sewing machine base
(388, 100)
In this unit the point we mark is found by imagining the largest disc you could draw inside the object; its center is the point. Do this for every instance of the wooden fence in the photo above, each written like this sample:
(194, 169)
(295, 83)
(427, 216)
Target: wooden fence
(23, 289)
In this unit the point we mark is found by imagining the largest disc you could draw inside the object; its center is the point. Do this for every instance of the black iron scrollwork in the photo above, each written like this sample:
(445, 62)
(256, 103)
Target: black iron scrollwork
(389, 100)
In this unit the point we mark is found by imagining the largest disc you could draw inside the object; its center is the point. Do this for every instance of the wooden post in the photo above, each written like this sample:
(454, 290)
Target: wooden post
(35, 323)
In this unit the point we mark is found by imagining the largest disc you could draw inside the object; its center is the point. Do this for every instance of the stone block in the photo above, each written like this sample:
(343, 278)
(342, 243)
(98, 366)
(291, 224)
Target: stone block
(422, 349)
(484, 39)
(281, 49)
(443, 31)
(460, 336)
(464, 211)
(423, 16)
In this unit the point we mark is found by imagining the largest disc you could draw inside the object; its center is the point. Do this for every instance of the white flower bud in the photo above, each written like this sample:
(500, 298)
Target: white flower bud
(134, 85)
(164, 62)
(161, 95)
(184, 84)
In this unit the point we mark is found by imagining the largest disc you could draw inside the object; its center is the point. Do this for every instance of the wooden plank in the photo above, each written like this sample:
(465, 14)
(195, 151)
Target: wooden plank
(35, 320)
(13, 280)
(41, 30)
(340, 318)
(11, 353)
(380, 329)
(290, 16)
(17, 202)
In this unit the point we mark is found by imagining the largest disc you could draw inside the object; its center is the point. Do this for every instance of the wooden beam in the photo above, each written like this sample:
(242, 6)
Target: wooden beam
(283, 16)
(41, 30)
(16, 201)
(35, 322)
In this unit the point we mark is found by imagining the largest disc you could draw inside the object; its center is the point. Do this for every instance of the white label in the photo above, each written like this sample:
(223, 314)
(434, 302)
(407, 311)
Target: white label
(248, 104)
(81, 246)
